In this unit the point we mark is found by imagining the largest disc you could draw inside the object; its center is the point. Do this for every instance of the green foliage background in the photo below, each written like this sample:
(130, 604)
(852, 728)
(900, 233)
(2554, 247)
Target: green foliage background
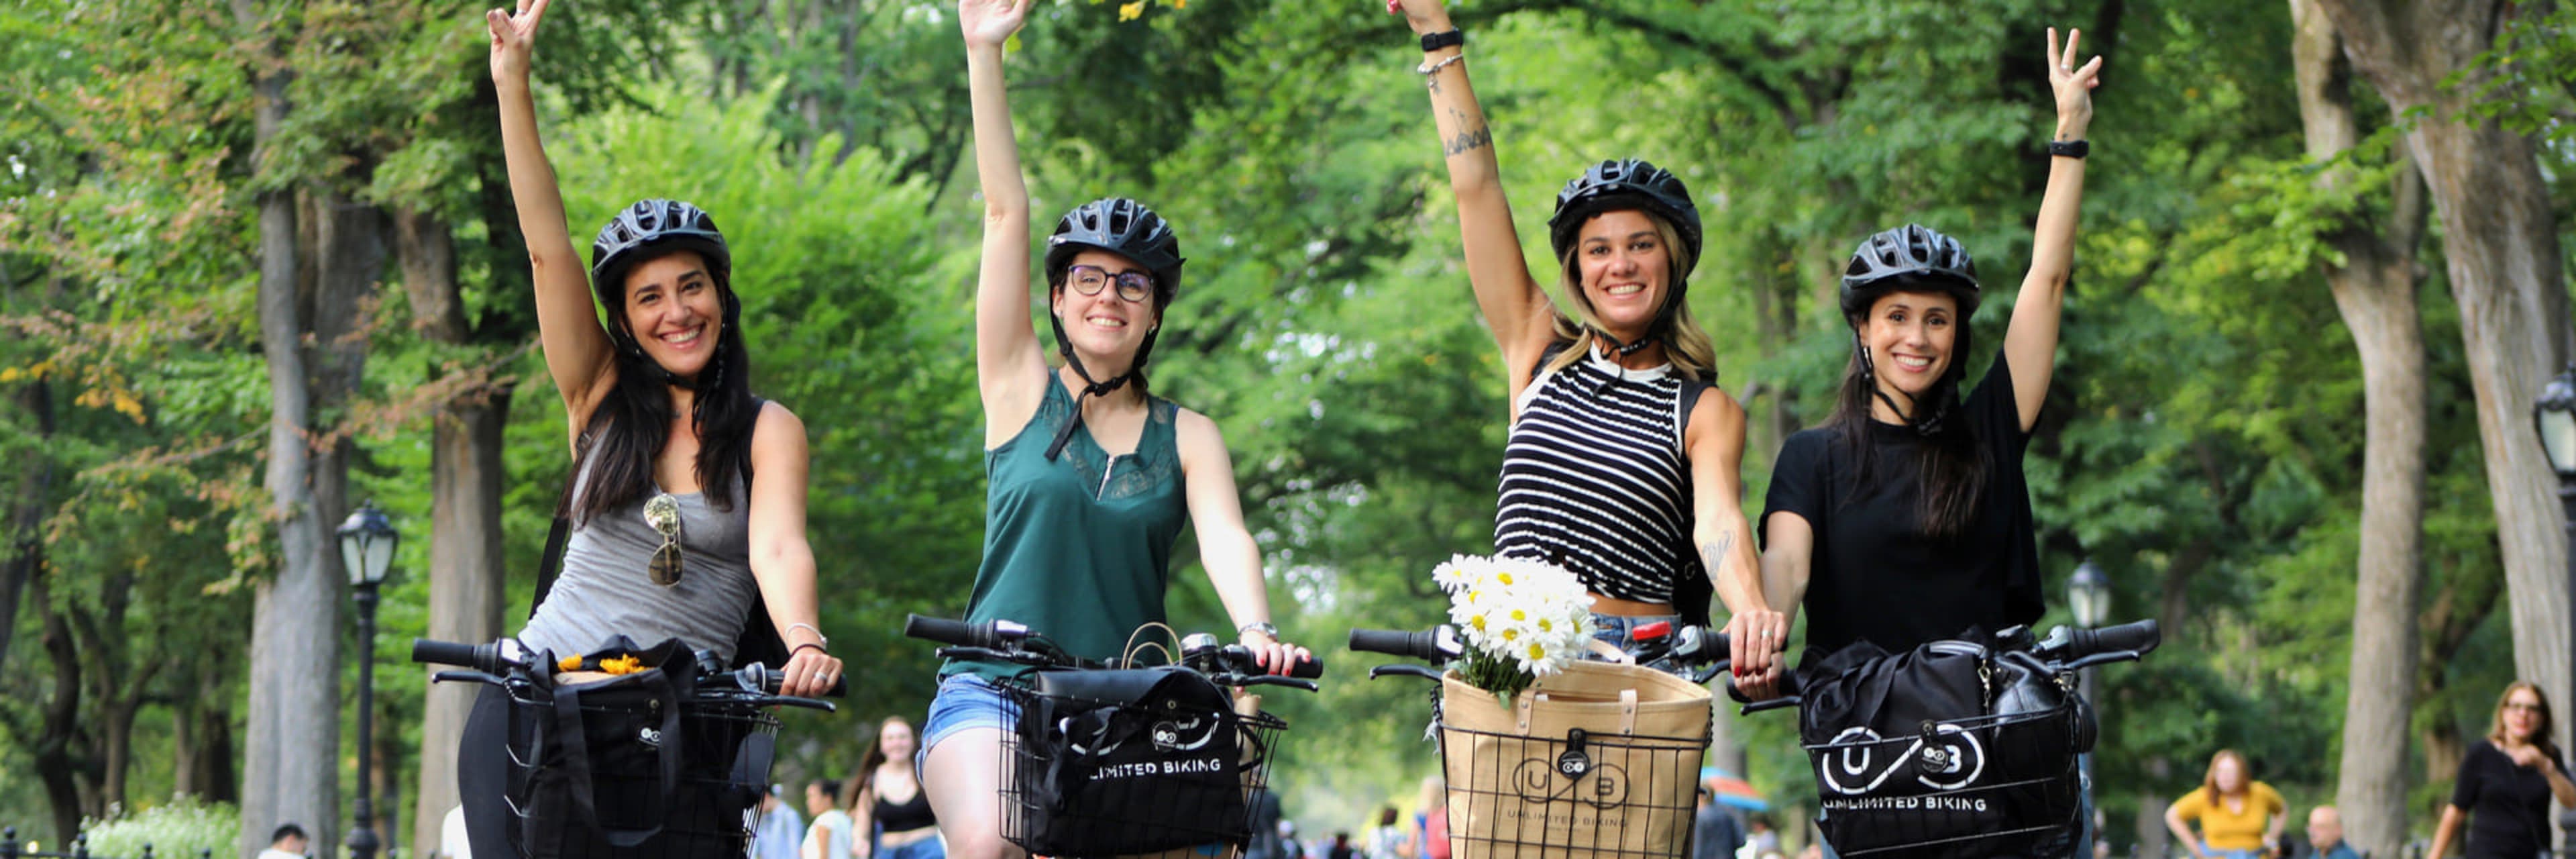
(2202, 440)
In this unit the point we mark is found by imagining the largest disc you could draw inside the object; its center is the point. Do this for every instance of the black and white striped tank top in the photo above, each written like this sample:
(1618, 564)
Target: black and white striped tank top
(1594, 479)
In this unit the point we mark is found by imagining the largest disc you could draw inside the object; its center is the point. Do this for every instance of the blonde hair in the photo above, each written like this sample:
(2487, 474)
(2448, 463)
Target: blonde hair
(1686, 345)
(2543, 734)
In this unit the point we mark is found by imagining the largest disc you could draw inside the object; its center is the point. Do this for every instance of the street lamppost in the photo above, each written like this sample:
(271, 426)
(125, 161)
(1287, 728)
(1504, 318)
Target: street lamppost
(2089, 595)
(2555, 413)
(366, 552)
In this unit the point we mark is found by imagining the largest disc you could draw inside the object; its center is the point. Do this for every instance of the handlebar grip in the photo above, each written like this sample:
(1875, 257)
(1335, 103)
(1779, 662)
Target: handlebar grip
(1307, 669)
(942, 630)
(1422, 645)
(446, 653)
(2140, 636)
(767, 680)
(1391, 641)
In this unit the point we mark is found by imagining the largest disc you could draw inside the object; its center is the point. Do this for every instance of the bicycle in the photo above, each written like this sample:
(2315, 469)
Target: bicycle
(1579, 777)
(666, 759)
(1107, 761)
(1955, 749)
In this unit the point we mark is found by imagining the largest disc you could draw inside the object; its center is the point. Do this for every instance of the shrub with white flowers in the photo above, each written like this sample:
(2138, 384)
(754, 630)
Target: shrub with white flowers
(1522, 619)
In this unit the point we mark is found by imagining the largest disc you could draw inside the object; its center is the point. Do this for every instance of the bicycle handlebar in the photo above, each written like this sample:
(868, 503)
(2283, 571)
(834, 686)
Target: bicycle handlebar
(505, 655)
(1014, 642)
(991, 635)
(2066, 648)
(2128, 640)
(1437, 644)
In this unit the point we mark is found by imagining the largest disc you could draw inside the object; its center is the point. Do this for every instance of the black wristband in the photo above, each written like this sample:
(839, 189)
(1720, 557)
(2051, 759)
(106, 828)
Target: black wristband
(791, 652)
(1450, 38)
(2069, 148)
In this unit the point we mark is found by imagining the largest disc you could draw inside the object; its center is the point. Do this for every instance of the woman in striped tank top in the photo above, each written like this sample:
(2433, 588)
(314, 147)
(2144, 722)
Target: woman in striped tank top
(1621, 461)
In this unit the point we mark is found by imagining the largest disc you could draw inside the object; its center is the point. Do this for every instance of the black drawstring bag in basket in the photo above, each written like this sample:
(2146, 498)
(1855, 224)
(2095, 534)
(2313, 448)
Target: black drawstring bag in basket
(630, 765)
(1128, 761)
(1954, 749)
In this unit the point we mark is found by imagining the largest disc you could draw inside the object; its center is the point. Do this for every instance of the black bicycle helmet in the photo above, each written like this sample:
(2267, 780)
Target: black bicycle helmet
(649, 229)
(1123, 227)
(1911, 257)
(1628, 183)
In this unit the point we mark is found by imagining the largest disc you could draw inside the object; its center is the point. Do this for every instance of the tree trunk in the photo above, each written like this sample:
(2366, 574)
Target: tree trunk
(54, 751)
(2500, 239)
(466, 477)
(293, 749)
(26, 550)
(202, 743)
(2375, 291)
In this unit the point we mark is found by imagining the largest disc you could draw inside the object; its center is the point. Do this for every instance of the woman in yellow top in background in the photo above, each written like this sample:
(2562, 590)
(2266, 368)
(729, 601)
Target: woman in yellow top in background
(2240, 818)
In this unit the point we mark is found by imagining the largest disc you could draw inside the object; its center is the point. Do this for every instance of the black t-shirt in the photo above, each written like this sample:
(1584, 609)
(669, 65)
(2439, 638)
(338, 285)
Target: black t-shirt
(2508, 805)
(1875, 574)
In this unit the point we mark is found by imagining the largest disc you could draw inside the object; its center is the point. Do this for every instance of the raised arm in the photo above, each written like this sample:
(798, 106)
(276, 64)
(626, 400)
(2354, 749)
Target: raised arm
(578, 354)
(782, 562)
(1226, 549)
(1009, 367)
(2030, 343)
(1716, 443)
(1515, 308)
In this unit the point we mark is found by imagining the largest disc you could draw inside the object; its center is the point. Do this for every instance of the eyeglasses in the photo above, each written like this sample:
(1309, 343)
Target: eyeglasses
(663, 513)
(1091, 279)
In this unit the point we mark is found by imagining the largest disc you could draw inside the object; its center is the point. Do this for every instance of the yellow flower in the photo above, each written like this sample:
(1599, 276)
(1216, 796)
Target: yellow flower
(568, 663)
(628, 664)
(1519, 615)
(1511, 634)
(1537, 652)
(1546, 625)
(1479, 621)
(1504, 576)
(1131, 11)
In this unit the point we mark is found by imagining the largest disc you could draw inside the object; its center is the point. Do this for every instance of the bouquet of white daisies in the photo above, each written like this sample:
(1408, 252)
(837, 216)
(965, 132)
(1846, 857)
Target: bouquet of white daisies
(1522, 619)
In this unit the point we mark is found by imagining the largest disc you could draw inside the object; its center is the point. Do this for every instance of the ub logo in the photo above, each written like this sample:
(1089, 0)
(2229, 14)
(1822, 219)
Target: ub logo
(1946, 758)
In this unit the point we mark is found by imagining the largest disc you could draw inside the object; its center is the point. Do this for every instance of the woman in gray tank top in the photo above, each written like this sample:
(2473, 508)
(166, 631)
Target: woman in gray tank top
(671, 533)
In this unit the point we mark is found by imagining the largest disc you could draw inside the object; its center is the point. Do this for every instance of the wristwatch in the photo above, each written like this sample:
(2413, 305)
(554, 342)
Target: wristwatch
(1444, 39)
(2068, 148)
(1260, 626)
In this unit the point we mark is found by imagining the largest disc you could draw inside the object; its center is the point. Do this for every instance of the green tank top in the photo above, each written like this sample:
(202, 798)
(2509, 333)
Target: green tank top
(1079, 548)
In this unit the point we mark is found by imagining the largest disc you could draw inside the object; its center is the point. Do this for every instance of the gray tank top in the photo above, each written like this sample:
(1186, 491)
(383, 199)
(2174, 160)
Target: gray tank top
(605, 591)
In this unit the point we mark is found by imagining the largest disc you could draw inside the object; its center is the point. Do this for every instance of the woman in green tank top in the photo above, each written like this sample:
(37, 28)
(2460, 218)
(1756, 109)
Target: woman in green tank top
(1089, 478)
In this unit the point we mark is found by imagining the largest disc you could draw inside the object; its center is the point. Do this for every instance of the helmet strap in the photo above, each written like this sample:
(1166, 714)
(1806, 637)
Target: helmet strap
(1090, 388)
(1925, 425)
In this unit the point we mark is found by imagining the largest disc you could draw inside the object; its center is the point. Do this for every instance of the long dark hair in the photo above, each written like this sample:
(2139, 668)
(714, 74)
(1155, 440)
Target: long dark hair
(876, 757)
(634, 420)
(1952, 476)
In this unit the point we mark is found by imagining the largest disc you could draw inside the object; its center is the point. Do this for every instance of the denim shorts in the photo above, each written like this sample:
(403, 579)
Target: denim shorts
(965, 701)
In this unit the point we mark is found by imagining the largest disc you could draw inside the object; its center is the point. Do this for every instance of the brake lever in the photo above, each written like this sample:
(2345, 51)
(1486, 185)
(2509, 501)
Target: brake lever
(476, 676)
(2104, 658)
(1016, 657)
(1771, 704)
(1406, 670)
(1241, 681)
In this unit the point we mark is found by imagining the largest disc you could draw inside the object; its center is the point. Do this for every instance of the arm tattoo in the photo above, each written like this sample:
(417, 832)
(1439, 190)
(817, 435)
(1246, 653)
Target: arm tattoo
(1713, 553)
(1470, 141)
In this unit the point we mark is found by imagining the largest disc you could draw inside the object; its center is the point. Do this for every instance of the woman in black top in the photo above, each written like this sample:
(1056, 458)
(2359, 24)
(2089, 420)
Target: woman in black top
(1905, 519)
(2506, 782)
(890, 814)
